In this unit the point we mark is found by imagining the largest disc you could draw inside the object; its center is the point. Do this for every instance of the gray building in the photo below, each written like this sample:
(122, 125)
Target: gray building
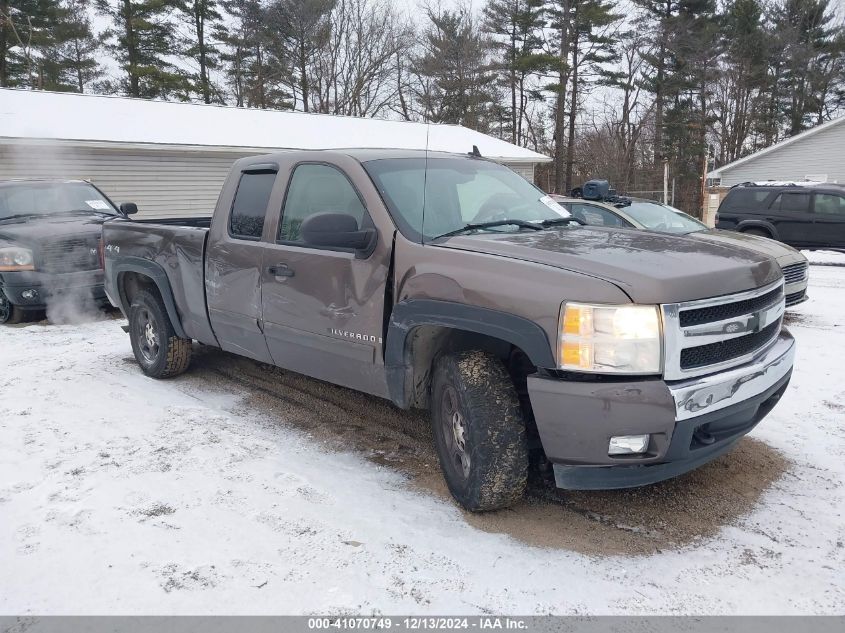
(171, 158)
(816, 154)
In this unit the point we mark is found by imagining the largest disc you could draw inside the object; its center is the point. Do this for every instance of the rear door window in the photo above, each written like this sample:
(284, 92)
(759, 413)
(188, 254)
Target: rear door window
(249, 208)
(792, 202)
(830, 204)
(746, 199)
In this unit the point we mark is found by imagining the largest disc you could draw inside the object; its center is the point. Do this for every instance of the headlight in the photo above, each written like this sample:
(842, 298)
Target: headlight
(610, 339)
(15, 258)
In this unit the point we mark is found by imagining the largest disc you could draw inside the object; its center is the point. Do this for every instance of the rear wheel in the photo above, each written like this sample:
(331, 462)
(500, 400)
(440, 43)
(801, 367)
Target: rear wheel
(479, 431)
(160, 352)
(758, 232)
(9, 312)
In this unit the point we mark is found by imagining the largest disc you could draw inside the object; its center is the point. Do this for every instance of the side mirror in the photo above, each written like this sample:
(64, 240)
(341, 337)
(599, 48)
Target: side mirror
(338, 230)
(128, 208)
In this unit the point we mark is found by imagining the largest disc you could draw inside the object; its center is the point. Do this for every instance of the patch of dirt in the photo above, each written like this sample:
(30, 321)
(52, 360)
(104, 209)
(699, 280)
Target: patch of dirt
(636, 521)
(157, 510)
(807, 320)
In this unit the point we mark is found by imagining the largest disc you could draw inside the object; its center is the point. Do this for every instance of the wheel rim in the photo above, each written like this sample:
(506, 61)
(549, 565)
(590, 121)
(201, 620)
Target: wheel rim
(454, 429)
(146, 332)
(5, 308)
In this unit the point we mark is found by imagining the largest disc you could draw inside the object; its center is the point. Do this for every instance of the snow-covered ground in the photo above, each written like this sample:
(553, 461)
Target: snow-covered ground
(121, 494)
(825, 258)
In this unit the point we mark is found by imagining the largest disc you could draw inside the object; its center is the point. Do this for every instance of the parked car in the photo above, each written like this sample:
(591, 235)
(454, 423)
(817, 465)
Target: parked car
(449, 283)
(654, 216)
(49, 234)
(803, 215)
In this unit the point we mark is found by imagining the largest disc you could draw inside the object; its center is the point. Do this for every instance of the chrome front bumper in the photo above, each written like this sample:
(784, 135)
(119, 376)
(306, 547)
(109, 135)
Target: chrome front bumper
(705, 394)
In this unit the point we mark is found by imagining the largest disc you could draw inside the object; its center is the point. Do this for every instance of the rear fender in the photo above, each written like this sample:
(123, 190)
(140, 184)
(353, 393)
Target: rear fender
(158, 276)
(758, 224)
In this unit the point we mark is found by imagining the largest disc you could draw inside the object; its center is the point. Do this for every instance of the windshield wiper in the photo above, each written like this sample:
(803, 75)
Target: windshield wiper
(18, 216)
(556, 221)
(523, 224)
(86, 211)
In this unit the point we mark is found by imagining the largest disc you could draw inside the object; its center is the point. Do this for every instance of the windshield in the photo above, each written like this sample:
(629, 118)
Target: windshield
(658, 217)
(457, 192)
(44, 198)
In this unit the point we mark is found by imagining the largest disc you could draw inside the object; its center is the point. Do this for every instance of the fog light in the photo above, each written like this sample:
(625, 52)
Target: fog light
(29, 294)
(627, 444)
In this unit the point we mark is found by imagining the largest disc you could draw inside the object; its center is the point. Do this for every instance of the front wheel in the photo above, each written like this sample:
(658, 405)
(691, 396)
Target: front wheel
(479, 431)
(160, 352)
(9, 312)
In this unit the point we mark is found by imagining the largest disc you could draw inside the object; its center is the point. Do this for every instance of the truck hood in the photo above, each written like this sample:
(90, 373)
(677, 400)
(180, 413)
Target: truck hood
(772, 248)
(34, 231)
(649, 267)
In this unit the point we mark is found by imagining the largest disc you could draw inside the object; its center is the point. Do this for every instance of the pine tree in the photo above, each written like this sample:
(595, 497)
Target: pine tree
(591, 49)
(741, 79)
(202, 18)
(696, 48)
(560, 25)
(517, 29)
(254, 56)
(455, 79)
(811, 48)
(143, 40)
(69, 59)
(658, 18)
(24, 30)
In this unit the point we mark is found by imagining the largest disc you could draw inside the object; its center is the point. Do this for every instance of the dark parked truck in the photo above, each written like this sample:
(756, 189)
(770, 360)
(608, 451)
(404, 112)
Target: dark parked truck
(445, 282)
(49, 234)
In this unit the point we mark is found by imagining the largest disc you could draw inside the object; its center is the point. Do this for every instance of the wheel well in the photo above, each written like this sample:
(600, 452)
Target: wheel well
(130, 284)
(426, 343)
(756, 228)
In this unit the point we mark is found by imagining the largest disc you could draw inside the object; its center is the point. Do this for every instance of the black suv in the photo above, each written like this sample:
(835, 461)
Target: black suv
(803, 215)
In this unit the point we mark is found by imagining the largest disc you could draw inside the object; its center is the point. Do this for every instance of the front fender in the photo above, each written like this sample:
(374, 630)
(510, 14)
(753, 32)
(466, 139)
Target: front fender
(408, 315)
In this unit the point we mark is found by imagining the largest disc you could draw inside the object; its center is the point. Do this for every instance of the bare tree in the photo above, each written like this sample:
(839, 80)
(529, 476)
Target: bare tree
(354, 72)
(305, 26)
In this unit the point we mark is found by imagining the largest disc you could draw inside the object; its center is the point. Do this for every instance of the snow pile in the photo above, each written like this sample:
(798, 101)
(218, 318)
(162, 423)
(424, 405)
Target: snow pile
(825, 258)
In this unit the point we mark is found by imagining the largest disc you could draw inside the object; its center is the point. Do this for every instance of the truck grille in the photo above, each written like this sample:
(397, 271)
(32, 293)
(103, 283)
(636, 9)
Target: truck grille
(728, 310)
(712, 334)
(795, 298)
(713, 353)
(70, 255)
(795, 272)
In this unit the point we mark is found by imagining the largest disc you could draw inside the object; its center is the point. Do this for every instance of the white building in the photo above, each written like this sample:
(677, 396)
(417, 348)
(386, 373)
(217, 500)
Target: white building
(171, 158)
(816, 154)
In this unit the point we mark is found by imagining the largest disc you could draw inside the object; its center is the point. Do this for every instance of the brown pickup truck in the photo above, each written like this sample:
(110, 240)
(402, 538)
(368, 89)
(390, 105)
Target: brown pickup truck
(613, 357)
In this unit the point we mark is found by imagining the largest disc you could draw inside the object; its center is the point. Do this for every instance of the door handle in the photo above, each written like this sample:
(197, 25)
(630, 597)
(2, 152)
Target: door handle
(281, 270)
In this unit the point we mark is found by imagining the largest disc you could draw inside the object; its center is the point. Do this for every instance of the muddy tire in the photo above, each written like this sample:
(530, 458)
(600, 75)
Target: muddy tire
(157, 348)
(479, 431)
(10, 313)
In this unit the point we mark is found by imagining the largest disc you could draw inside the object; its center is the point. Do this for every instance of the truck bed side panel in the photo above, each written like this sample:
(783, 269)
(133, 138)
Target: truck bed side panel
(179, 251)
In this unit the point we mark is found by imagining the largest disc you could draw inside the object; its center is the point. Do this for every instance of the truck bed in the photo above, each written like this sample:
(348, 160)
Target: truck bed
(174, 247)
